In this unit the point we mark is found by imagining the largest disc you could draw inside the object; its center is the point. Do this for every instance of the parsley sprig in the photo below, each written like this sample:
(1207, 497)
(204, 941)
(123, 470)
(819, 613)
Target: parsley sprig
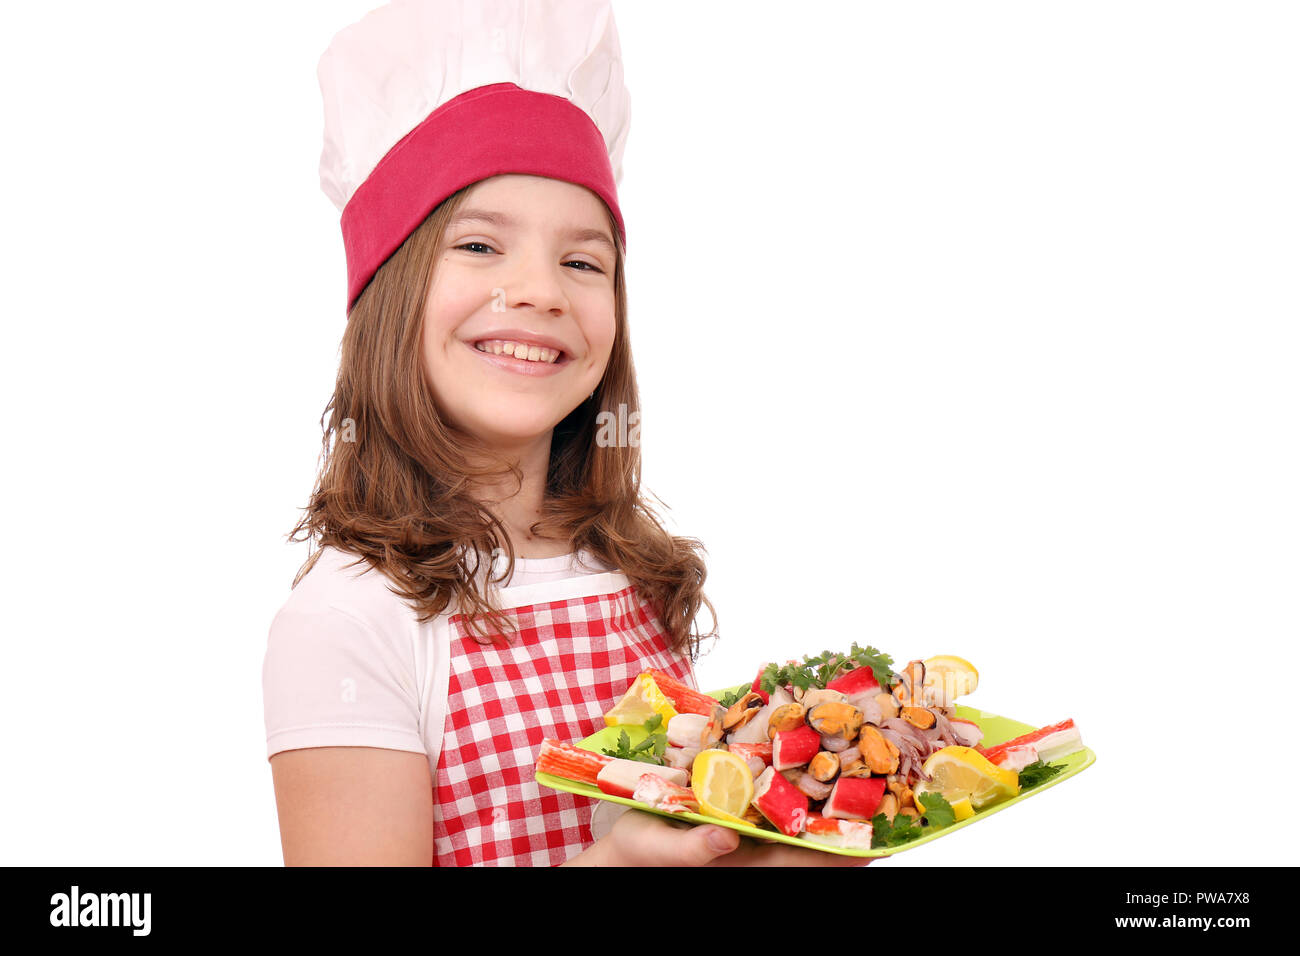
(903, 829)
(1037, 773)
(650, 750)
(937, 811)
(731, 696)
(817, 672)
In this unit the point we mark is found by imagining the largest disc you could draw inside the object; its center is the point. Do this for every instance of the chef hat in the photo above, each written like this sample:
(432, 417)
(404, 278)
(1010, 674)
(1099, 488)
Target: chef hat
(425, 97)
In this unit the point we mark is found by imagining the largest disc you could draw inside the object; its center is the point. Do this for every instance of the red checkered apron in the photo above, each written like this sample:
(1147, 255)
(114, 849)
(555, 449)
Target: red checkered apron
(571, 661)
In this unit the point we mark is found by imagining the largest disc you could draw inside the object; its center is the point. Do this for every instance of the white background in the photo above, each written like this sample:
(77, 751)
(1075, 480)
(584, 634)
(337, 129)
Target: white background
(961, 327)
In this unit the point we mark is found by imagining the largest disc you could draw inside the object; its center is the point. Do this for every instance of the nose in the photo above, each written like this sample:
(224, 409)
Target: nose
(535, 283)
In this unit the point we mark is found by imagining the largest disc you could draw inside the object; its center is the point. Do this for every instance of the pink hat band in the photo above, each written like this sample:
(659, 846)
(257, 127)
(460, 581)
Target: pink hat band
(484, 132)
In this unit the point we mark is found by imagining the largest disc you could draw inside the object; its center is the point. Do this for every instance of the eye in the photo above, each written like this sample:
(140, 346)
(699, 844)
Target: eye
(586, 266)
(482, 245)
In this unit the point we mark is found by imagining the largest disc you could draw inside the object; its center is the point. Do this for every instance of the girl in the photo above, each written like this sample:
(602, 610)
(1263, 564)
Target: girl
(488, 573)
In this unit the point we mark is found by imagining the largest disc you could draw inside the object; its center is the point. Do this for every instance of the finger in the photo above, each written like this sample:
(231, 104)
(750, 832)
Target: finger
(701, 845)
(658, 841)
(769, 853)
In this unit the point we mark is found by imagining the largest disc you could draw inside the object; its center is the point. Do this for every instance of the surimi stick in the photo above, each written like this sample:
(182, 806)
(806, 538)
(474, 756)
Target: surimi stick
(794, 748)
(620, 777)
(1046, 744)
(660, 794)
(848, 834)
(854, 798)
(685, 699)
(573, 763)
(778, 800)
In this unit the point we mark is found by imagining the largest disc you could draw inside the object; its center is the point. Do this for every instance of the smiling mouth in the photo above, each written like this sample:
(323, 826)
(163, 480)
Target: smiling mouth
(520, 351)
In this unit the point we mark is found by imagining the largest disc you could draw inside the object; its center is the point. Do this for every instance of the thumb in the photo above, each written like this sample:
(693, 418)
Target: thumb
(702, 845)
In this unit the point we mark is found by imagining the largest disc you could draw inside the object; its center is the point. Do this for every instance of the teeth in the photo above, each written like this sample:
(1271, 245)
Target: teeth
(519, 350)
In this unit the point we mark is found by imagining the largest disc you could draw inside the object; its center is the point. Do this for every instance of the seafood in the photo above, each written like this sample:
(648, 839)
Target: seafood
(570, 762)
(1046, 744)
(794, 748)
(660, 794)
(620, 777)
(784, 806)
(825, 760)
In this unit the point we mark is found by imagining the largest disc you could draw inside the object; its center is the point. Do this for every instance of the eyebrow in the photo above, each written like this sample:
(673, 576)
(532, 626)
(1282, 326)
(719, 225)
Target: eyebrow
(504, 221)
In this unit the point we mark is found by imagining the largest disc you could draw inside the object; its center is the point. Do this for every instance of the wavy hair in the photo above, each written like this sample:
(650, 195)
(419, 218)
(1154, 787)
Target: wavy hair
(394, 478)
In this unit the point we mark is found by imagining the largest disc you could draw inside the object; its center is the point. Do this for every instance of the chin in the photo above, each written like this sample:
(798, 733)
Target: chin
(514, 428)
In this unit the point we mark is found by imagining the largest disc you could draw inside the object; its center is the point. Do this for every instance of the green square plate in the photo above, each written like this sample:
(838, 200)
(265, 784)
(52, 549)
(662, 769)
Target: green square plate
(996, 730)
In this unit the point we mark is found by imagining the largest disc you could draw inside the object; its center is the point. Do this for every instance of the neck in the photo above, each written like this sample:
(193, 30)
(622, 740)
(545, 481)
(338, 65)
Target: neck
(517, 510)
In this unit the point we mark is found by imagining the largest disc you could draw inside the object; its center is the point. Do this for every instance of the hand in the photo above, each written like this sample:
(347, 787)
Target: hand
(647, 839)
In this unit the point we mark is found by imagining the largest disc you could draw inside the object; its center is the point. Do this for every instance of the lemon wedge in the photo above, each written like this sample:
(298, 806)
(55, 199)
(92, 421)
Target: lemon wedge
(723, 785)
(964, 771)
(957, 799)
(948, 677)
(642, 701)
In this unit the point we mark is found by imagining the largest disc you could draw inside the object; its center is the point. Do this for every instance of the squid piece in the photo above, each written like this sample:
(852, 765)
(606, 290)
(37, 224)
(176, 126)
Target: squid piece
(811, 787)
(680, 758)
(755, 731)
(685, 730)
(968, 733)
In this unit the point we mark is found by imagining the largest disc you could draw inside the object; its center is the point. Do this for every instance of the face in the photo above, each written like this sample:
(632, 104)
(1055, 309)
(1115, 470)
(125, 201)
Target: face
(519, 321)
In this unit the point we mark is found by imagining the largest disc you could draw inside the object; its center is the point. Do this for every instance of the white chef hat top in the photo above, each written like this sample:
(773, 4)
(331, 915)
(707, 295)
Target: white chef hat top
(389, 80)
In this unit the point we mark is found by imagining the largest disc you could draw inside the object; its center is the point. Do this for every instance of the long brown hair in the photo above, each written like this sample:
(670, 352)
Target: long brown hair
(394, 481)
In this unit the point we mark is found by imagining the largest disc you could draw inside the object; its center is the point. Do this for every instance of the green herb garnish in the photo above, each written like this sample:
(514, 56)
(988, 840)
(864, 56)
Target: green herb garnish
(731, 696)
(937, 811)
(901, 830)
(817, 672)
(650, 750)
(1037, 773)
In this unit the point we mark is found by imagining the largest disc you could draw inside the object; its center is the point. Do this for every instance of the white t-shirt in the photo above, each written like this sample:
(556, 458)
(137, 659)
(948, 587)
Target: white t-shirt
(348, 665)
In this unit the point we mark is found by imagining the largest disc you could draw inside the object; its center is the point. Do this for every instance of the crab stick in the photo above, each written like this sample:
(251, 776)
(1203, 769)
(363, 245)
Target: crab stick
(620, 777)
(757, 756)
(845, 834)
(686, 700)
(858, 686)
(573, 763)
(794, 748)
(778, 800)
(1046, 744)
(854, 798)
(660, 794)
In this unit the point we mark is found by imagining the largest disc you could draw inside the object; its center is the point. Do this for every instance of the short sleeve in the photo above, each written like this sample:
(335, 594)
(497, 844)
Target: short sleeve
(330, 680)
